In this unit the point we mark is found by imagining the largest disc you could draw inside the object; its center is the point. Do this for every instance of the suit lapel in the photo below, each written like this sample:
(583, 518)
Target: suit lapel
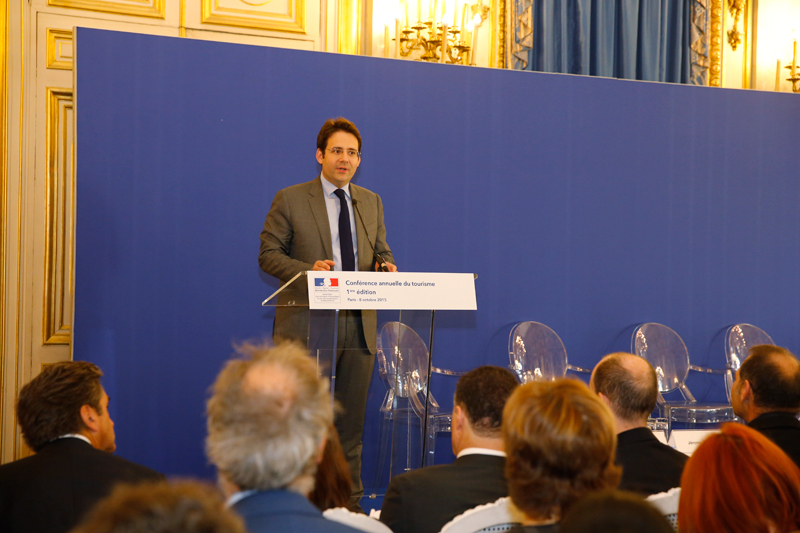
(316, 202)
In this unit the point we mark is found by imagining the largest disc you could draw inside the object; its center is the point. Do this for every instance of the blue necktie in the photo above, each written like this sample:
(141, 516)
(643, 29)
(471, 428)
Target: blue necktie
(345, 234)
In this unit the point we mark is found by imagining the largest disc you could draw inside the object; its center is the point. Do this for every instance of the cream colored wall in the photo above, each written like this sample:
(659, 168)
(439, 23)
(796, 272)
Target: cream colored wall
(37, 170)
(768, 25)
(734, 62)
(776, 20)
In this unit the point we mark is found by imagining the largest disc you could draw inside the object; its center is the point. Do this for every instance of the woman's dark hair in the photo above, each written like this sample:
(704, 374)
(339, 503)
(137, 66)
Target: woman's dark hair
(332, 486)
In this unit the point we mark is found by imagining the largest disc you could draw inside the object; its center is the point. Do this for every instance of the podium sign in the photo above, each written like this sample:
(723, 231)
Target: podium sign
(687, 440)
(391, 290)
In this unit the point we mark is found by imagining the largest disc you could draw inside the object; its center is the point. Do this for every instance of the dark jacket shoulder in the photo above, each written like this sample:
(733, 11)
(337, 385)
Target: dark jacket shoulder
(49, 492)
(424, 500)
(648, 465)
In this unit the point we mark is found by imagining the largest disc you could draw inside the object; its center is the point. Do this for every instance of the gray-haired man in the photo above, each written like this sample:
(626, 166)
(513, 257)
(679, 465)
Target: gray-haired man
(267, 423)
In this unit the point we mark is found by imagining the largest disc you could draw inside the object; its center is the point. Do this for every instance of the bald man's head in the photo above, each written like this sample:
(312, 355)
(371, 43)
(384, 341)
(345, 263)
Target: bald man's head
(774, 376)
(629, 383)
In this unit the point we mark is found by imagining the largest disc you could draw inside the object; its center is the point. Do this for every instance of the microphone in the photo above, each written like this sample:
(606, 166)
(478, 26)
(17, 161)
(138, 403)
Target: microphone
(381, 261)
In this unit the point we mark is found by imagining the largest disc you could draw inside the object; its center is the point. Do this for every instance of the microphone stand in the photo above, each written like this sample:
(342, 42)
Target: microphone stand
(380, 260)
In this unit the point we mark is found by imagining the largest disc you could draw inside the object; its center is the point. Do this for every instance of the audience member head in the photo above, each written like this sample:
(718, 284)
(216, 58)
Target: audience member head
(66, 399)
(268, 419)
(768, 381)
(739, 481)
(628, 385)
(185, 507)
(617, 511)
(332, 487)
(481, 395)
(331, 126)
(559, 440)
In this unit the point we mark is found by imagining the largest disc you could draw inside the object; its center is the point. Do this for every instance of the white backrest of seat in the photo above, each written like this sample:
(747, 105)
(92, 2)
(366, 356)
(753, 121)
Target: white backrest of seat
(356, 520)
(667, 504)
(489, 517)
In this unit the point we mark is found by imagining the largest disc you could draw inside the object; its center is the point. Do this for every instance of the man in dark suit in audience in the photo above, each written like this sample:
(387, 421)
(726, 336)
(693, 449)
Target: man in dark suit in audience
(424, 500)
(63, 414)
(766, 394)
(627, 384)
(268, 420)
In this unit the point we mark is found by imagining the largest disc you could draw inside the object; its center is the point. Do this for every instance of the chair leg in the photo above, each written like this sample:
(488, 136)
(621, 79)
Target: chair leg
(430, 435)
(668, 414)
(383, 445)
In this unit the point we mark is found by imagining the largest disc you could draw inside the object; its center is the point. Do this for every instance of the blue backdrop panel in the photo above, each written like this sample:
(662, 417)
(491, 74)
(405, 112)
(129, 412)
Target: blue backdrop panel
(588, 204)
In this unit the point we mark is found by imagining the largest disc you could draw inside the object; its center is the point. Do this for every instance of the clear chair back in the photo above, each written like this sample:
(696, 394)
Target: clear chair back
(402, 359)
(536, 352)
(738, 341)
(666, 353)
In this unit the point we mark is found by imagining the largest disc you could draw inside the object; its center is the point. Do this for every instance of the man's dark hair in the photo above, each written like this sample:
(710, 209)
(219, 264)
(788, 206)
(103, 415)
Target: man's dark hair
(482, 393)
(50, 405)
(774, 376)
(331, 126)
(632, 397)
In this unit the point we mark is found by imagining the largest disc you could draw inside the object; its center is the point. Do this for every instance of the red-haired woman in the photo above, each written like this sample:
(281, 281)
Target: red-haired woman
(739, 481)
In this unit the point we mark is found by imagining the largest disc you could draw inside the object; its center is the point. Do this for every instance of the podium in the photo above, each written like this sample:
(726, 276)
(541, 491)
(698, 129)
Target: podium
(313, 308)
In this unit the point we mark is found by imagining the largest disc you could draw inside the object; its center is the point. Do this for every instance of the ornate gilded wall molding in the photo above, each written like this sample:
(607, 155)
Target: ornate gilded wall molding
(59, 49)
(499, 31)
(276, 15)
(349, 38)
(715, 55)
(138, 8)
(60, 220)
(4, 53)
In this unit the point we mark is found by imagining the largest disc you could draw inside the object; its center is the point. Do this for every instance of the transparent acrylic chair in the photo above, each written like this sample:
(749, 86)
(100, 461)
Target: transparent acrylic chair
(403, 366)
(536, 353)
(738, 340)
(666, 352)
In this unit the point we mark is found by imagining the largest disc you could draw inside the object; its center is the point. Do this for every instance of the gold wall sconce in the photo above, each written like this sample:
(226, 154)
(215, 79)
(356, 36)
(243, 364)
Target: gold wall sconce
(735, 8)
(447, 34)
(794, 77)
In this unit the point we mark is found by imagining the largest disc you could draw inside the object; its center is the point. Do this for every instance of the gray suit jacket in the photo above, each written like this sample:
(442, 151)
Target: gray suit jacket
(297, 233)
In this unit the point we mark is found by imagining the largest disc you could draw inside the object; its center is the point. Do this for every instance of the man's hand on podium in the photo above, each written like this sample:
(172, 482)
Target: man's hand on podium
(324, 265)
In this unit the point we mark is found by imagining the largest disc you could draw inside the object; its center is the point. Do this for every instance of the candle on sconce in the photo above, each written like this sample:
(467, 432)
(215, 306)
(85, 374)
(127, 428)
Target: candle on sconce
(444, 43)
(435, 12)
(794, 55)
(419, 10)
(476, 23)
(397, 38)
(464, 9)
(405, 12)
(778, 76)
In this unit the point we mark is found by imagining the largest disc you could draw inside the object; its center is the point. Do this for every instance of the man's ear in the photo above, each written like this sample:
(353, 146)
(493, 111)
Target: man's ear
(320, 156)
(605, 399)
(746, 392)
(459, 417)
(90, 418)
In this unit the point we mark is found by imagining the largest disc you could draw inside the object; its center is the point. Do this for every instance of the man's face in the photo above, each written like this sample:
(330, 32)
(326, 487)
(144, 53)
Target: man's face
(339, 169)
(736, 398)
(106, 439)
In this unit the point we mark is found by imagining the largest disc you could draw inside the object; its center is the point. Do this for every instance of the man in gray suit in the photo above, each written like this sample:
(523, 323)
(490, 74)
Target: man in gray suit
(330, 224)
